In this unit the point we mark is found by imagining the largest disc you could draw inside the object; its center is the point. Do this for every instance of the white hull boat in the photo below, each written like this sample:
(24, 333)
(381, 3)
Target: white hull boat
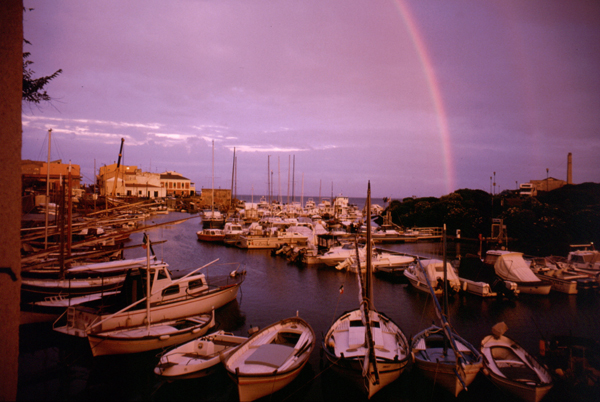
(440, 363)
(434, 269)
(199, 357)
(345, 349)
(512, 369)
(338, 254)
(511, 266)
(150, 337)
(481, 279)
(271, 241)
(364, 345)
(170, 299)
(271, 359)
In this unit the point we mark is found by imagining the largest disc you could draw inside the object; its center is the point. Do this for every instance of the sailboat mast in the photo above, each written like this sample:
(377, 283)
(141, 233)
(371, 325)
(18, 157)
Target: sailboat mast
(47, 191)
(445, 274)
(368, 282)
(147, 281)
(212, 207)
(233, 175)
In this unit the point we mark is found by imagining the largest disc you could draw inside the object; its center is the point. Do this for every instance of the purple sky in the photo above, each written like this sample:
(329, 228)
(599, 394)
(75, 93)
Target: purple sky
(420, 97)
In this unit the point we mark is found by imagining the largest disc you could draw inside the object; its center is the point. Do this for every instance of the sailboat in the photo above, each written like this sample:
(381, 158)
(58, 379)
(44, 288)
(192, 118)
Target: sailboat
(439, 353)
(365, 345)
(212, 219)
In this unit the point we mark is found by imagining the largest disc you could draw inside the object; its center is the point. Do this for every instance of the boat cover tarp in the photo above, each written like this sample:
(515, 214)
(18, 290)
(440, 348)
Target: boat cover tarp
(435, 270)
(512, 267)
(272, 355)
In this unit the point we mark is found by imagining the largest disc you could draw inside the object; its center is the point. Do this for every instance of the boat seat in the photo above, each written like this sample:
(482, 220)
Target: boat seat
(356, 337)
(520, 373)
(272, 355)
(504, 353)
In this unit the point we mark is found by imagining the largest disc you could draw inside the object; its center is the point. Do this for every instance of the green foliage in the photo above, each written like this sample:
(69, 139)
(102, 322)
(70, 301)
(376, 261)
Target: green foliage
(545, 225)
(33, 88)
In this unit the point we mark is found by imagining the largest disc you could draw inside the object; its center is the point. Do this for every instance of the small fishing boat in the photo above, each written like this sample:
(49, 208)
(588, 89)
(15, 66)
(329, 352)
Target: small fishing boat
(143, 338)
(512, 369)
(271, 359)
(199, 357)
(364, 345)
(439, 353)
(211, 235)
(454, 367)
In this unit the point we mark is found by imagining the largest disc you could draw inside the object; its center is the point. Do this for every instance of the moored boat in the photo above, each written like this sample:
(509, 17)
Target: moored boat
(481, 279)
(211, 235)
(189, 295)
(512, 369)
(198, 357)
(511, 266)
(364, 345)
(453, 367)
(151, 336)
(433, 271)
(271, 359)
(439, 353)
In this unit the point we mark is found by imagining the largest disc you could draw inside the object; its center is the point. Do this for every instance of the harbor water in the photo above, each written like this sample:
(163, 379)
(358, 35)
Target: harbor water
(54, 366)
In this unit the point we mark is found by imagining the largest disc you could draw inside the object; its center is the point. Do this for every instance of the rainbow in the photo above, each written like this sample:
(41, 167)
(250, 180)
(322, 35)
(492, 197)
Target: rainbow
(434, 89)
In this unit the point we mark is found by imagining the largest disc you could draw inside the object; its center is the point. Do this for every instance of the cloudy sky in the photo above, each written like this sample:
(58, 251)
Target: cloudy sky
(419, 97)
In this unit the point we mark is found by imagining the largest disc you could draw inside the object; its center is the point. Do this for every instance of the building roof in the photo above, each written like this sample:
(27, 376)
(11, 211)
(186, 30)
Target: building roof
(172, 176)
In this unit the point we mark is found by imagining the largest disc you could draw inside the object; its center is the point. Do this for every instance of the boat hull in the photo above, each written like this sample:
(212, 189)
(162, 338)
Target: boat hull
(199, 357)
(512, 369)
(351, 369)
(80, 321)
(266, 363)
(260, 242)
(441, 365)
(345, 351)
(156, 336)
(535, 288)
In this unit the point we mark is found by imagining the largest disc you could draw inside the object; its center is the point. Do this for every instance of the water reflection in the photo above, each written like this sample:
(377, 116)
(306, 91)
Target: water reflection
(53, 366)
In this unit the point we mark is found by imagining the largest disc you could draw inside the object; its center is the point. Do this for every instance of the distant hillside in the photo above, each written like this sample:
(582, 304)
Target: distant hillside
(542, 225)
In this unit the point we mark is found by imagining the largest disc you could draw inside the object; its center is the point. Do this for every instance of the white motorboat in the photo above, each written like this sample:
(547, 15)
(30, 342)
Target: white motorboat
(199, 357)
(170, 299)
(232, 231)
(364, 345)
(151, 336)
(512, 369)
(271, 239)
(382, 262)
(585, 258)
(433, 270)
(562, 279)
(338, 254)
(271, 359)
(481, 279)
(511, 266)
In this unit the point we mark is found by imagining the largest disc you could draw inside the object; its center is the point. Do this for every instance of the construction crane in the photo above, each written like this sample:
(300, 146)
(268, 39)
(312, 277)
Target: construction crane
(114, 191)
